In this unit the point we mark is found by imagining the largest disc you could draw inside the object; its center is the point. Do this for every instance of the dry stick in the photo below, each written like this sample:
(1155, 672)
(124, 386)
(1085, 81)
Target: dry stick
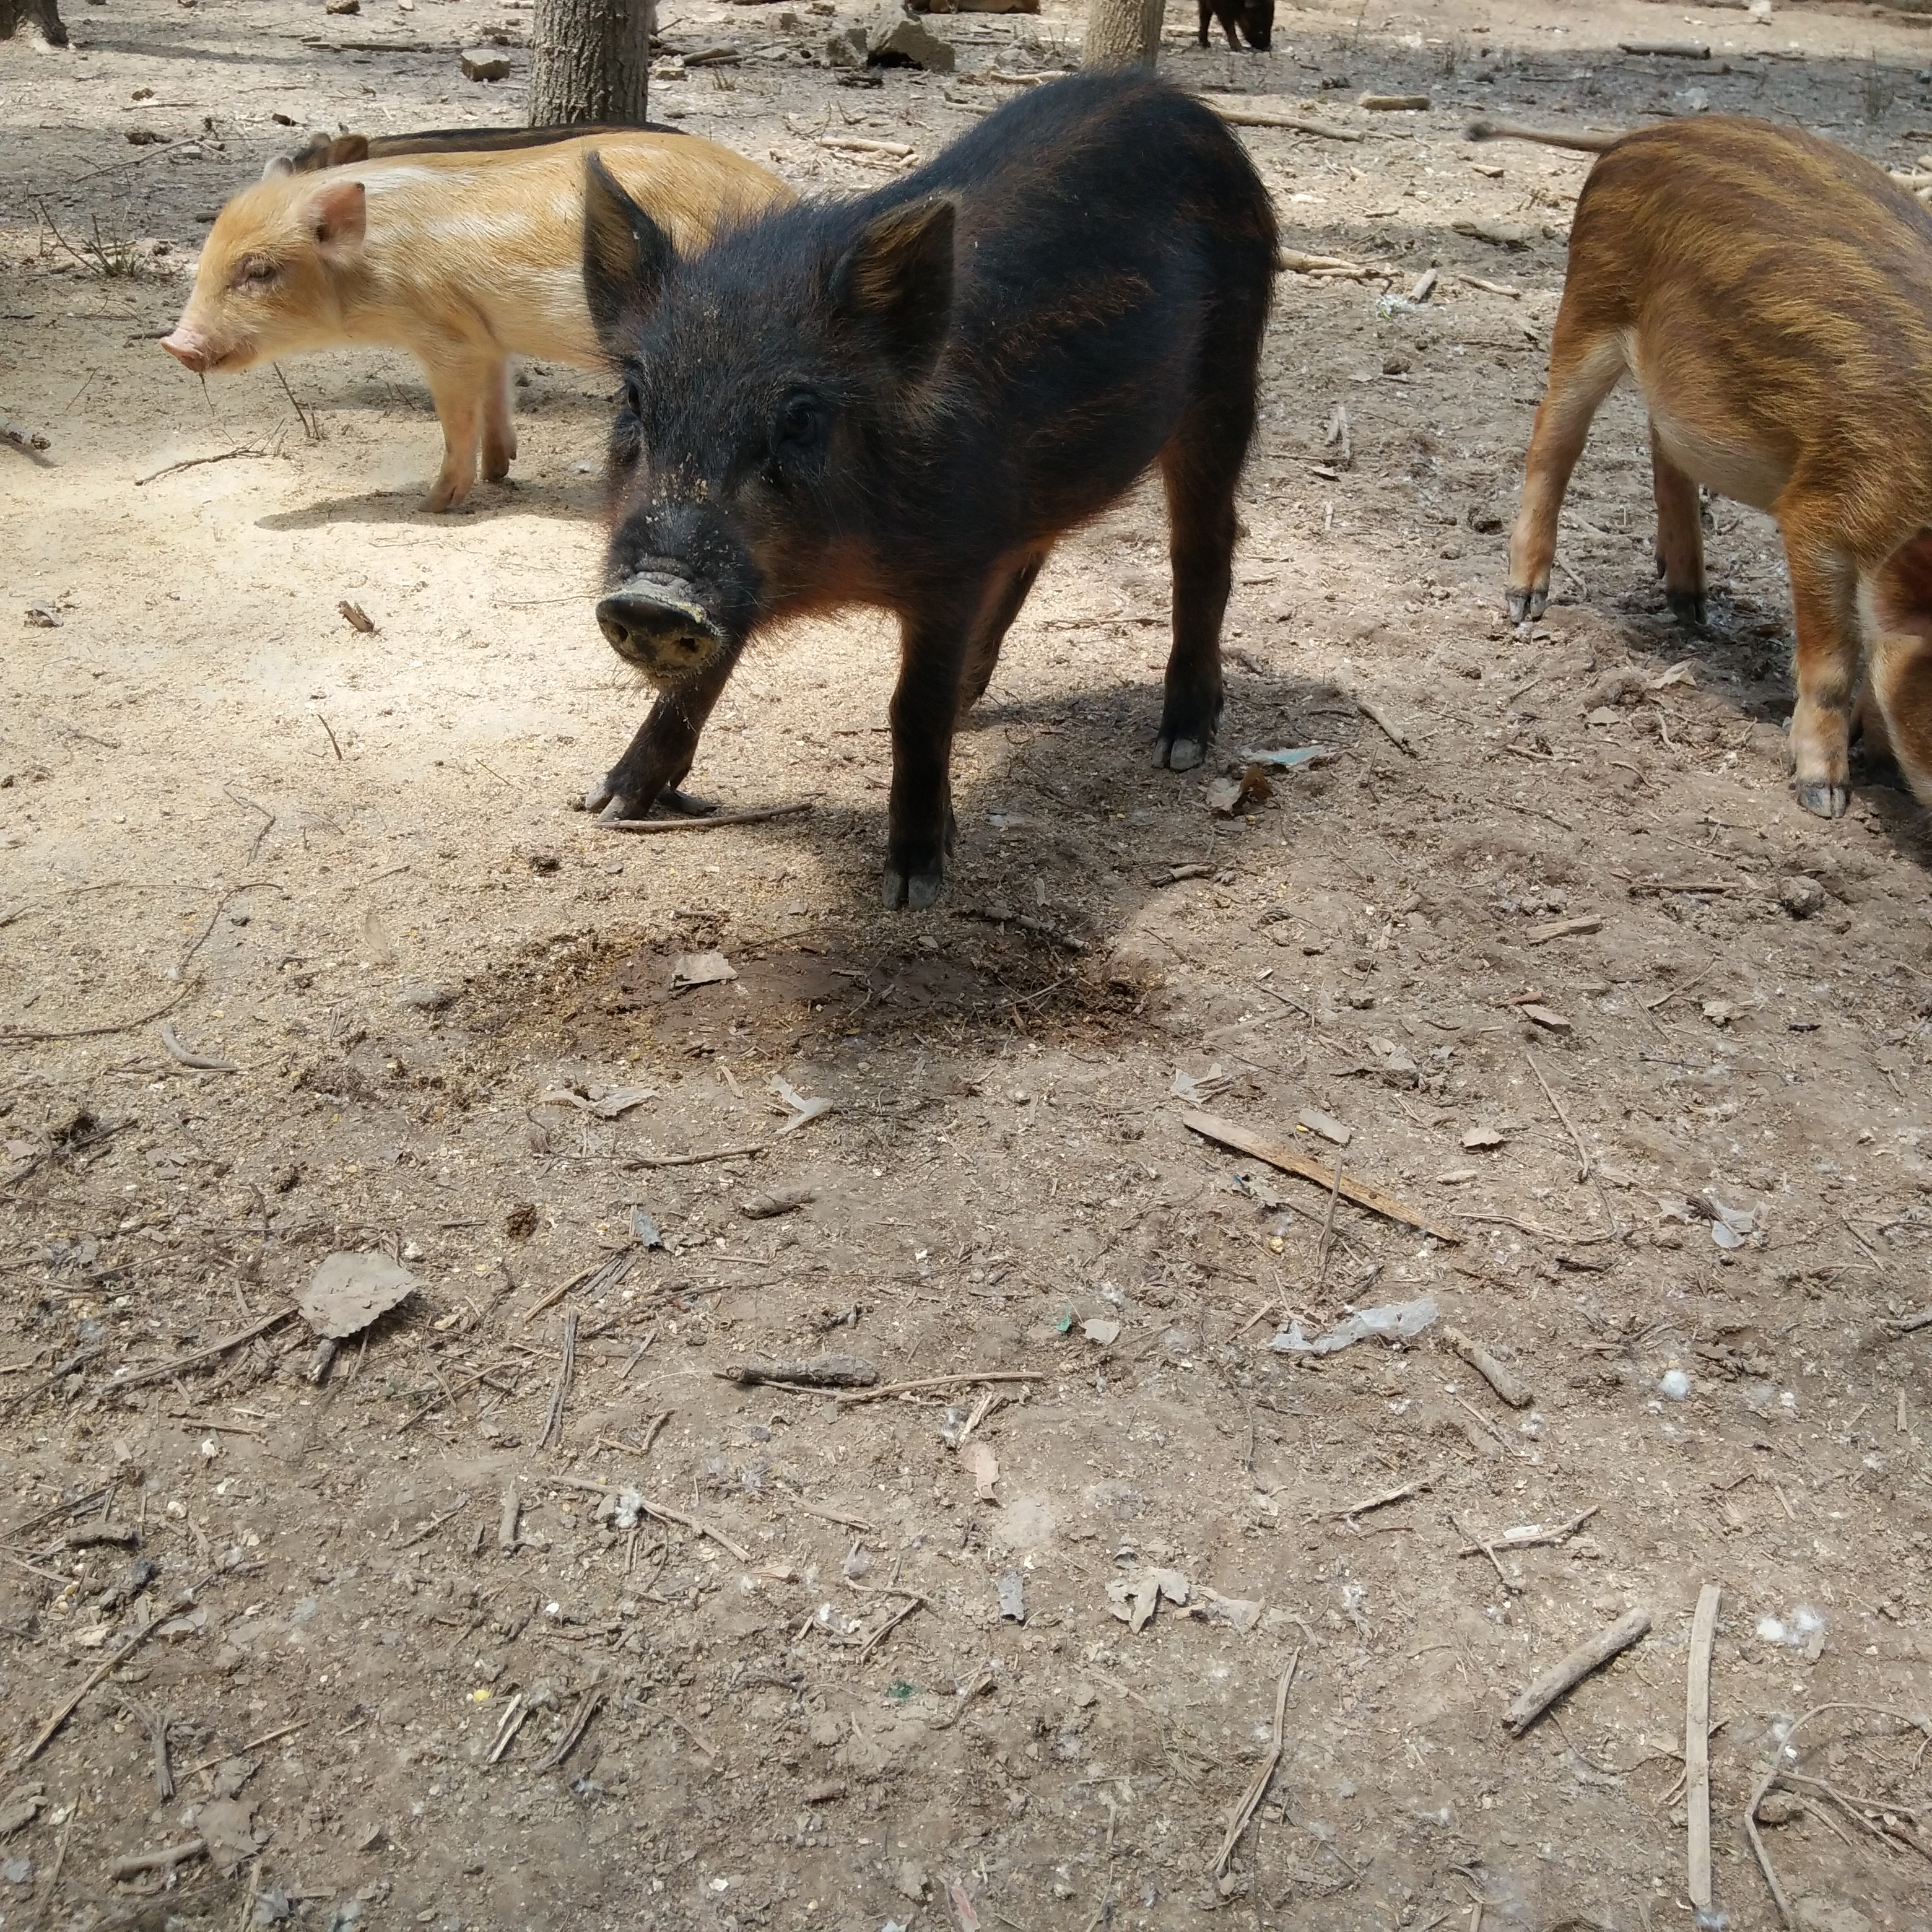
(1561, 1533)
(662, 1511)
(1912, 1323)
(711, 823)
(202, 1063)
(566, 1370)
(1585, 1658)
(196, 462)
(1586, 1168)
(1279, 1154)
(1251, 1802)
(1325, 1249)
(593, 1700)
(939, 1382)
(508, 1726)
(47, 1731)
(1262, 117)
(253, 1744)
(1383, 1501)
(136, 1863)
(214, 1348)
(693, 1159)
(1388, 728)
(1771, 1776)
(1517, 1394)
(506, 1521)
(814, 1509)
(891, 1623)
(22, 1035)
(1697, 1745)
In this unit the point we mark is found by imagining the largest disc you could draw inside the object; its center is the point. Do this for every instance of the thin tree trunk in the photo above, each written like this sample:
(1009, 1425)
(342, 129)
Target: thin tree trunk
(45, 14)
(592, 61)
(1123, 33)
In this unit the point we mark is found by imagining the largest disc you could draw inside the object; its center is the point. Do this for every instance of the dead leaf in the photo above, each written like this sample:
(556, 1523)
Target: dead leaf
(228, 1826)
(359, 620)
(621, 1100)
(700, 969)
(348, 1292)
(977, 1458)
(1482, 1136)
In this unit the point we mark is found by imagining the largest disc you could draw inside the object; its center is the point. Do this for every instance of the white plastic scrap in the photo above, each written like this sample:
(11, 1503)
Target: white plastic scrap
(1676, 1384)
(1394, 1322)
(1795, 1631)
(802, 1110)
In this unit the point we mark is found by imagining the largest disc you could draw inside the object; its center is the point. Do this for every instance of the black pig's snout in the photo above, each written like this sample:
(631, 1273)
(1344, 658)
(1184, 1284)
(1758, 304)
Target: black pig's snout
(659, 626)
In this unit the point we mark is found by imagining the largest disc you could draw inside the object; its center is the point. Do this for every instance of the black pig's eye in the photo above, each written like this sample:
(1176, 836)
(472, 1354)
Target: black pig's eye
(634, 395)
(800, 419)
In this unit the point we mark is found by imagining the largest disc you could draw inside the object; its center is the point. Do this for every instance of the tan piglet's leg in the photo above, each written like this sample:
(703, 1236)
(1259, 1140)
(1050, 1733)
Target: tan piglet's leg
(499, 431)
(1895, 707)
(459, 390)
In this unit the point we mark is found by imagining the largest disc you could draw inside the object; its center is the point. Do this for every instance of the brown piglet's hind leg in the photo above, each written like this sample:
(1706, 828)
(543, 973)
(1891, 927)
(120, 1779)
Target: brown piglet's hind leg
(1824, 597)
(1680, 536)
(1895, 705)
(1585, 366)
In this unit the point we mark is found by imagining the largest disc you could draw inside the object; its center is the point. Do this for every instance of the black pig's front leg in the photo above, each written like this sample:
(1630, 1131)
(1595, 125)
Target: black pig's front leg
(919, 823)
(660, 755)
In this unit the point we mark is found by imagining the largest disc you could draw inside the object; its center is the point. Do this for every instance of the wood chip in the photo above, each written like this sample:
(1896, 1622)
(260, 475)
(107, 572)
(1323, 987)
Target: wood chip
(1546, 1017)
(1513, 1391)
(1393, 103)
(1580, 1663)
(1564, 928)
(1277, 1154)
(1326, 1125)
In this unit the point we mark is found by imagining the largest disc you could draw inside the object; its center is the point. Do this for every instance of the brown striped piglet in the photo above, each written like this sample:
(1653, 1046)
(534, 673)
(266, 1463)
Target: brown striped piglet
(1771, 295)
(465, 258)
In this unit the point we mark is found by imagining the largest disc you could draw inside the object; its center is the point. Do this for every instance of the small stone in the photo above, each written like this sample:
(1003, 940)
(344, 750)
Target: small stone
(1801, 897)
(343, 6)
(425, 998)
(478, 64)
(895, 41)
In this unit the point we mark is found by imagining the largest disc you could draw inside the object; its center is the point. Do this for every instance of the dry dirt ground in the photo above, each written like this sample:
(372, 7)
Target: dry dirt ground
(794, 1691)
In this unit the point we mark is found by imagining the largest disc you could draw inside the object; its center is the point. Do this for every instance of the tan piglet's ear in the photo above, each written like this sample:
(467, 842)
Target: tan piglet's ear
(338, 216)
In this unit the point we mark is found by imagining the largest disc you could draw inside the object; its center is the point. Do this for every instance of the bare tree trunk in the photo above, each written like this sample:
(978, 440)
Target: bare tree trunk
(45, 14)
(1123, 33)
(592, 61)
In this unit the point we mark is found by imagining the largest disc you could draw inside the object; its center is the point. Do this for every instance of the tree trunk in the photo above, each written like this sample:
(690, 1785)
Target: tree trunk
(45, 14)
(592, 61)
(1123, 33)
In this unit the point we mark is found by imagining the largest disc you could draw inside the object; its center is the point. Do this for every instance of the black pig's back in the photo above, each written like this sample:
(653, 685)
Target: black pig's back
(1110, 230)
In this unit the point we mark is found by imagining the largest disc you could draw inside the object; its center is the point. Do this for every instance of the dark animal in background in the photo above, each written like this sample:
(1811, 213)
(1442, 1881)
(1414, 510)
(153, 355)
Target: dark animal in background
(1771, 294)
(1255, 18)
(905, 400)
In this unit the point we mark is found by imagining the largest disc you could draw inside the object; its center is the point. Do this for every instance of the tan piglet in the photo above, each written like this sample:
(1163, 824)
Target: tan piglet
(464, 259)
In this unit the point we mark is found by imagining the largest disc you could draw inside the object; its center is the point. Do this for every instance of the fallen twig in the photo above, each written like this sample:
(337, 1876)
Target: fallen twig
(1251, 1801)
(1791, 1921)
(47, 1732)
(1264, 117)
(824, 1371)
(1388, 728)
(891, 1623)
(196, 462)
(1910, 1324)
(1383, 1501)
(1581, 1662)
(662, 1511)
(1697, 1745)
(207, 1355)
(203, 1063)
(592, 1703)
(1511, 1539)
(566, 1373)
(939, 1382)
(1277, 1153)
(135, 1863)
(713, 822)
(606, 1274)
(23, 1035)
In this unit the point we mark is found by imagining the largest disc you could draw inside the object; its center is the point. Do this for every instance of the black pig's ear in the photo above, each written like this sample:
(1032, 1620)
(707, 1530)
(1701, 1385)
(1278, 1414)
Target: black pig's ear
(896, 281)
(626, 256)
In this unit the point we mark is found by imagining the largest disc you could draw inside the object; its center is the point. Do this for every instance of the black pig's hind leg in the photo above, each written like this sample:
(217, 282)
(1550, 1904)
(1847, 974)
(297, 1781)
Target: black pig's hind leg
(1200, 467)
(1004, 598)
(661, 754)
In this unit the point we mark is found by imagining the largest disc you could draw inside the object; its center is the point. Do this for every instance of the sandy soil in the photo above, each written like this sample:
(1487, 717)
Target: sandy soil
(343, 863)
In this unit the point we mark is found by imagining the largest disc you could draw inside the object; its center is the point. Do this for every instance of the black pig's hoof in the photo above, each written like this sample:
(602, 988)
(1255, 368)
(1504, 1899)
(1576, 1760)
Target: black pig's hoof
(1826, 801)
(917, 893)
(1179, 754)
